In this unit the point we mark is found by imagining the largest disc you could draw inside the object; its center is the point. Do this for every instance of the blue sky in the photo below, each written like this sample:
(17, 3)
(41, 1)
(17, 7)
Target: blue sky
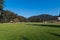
(29, 8)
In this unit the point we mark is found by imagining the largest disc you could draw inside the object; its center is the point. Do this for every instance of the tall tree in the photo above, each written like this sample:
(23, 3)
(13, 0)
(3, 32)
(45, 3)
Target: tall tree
(1, 8)
(1, 4)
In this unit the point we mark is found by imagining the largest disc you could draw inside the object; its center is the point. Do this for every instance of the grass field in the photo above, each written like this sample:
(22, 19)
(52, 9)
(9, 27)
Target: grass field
(29, 31)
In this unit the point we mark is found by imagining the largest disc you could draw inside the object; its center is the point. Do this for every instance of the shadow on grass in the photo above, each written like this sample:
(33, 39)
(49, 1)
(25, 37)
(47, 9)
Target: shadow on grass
(23, 37)
(55, 34)
(45, 25)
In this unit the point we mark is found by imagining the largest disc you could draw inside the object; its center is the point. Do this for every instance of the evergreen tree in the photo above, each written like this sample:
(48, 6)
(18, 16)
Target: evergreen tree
(1, 4)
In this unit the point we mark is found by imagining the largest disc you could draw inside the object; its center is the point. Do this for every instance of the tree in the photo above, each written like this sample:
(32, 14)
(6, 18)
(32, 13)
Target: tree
(1, 4)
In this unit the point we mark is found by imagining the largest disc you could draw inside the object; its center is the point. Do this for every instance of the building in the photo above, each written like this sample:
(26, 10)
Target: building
(59, 17)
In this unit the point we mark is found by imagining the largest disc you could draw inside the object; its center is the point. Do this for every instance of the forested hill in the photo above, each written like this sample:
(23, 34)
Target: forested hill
(42, 17)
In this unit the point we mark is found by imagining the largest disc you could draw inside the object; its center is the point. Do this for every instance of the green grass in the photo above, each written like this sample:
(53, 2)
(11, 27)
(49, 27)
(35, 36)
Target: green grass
(28, 31)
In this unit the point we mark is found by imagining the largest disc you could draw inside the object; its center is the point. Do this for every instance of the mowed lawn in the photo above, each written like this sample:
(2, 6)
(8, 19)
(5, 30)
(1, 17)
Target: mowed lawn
(29, 31)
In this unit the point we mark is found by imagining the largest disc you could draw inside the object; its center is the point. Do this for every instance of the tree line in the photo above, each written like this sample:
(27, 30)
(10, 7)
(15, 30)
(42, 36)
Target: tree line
(8, 16)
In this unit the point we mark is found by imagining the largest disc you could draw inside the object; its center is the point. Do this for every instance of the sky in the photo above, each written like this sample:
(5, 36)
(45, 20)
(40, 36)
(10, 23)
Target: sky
(29, 8)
